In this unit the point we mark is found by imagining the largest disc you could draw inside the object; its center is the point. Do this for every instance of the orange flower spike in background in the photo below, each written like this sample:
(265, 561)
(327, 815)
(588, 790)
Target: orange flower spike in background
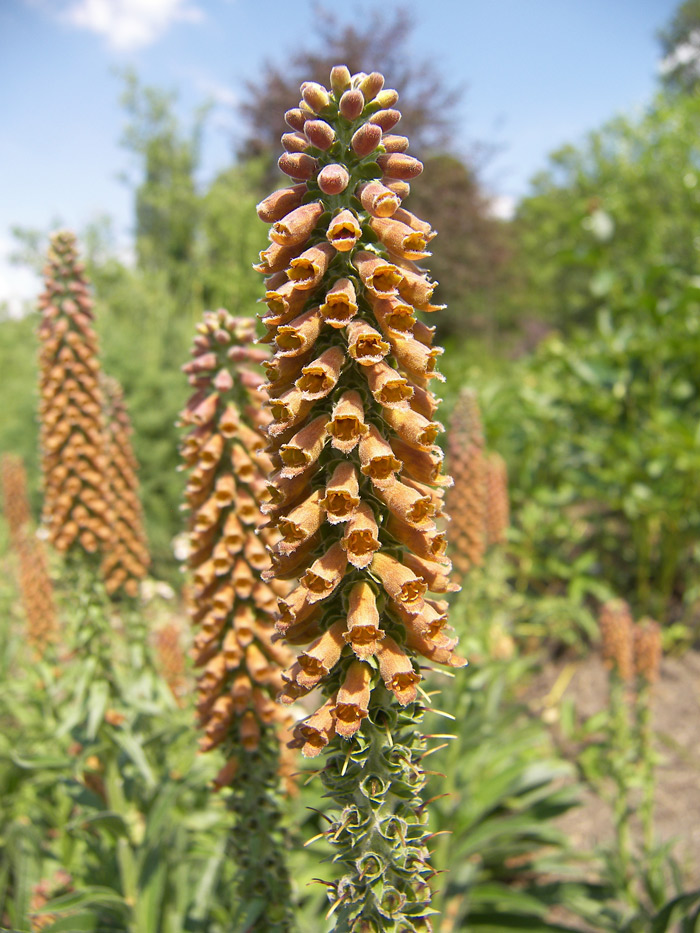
(240, 667)
(35, 586)
(127, 559)
(357, 483)
(467, 498)
(617, 633)
(77, 507)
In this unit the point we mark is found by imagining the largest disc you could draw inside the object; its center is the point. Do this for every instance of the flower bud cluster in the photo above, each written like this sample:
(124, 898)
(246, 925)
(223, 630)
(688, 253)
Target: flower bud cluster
(74, 463)
(231, 605)
(36, 589)
(127, 558)
(357, 488)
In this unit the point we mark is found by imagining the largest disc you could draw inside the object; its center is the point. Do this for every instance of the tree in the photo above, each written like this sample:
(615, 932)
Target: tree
(626, 200)
(472, 247)
(166, 198)
(680, 44)
(376, 42)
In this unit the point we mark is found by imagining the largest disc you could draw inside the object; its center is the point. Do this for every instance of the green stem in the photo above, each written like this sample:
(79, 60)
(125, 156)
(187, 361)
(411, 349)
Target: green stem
(647, 767)
(258, 840)
(620, 756)
(379, 835)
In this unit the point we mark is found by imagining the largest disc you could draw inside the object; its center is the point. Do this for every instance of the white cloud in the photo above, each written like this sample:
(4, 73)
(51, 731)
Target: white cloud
(220, 93)
(131, 24)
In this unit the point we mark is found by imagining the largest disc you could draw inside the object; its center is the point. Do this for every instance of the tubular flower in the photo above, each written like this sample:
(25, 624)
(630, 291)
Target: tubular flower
(127, 557)
(497, 504)
(356, 485)
(240, 667)
(617, 633)
(36, 589)
(467, 498)
(74, 463)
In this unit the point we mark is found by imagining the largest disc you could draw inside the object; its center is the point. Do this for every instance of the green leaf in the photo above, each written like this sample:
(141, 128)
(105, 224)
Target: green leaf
(671, 911)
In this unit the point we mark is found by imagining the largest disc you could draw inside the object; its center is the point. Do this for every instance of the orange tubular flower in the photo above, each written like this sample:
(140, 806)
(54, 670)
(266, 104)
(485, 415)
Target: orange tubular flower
(74, 462)
(127, 558)
(240, 666)
(356, 484)
(467, 498)
(36, 589)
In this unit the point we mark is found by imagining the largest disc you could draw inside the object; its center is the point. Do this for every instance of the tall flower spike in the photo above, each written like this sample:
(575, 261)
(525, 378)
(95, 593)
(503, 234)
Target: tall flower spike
(232, 607)
(617, 633)
(15, 501)
(361, 495)
(467, 498)
(35, 587)
(171, 658)
(74, 462)
(497, 503)
(127, 558)
(647, 650)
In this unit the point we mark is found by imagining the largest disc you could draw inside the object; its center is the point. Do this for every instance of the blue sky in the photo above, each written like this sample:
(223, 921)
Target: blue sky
(539, 73)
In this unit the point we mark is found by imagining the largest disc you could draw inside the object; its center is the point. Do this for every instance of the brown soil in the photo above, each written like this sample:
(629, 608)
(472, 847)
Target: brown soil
(676, 721)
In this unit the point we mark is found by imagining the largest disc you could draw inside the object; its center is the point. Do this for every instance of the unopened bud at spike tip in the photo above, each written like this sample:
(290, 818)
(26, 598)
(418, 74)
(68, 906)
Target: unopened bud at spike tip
(340, 79)
(351, 104)
(315, 95)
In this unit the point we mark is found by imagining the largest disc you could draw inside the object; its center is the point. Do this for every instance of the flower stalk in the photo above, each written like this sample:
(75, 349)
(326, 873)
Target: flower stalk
(232, 606)
(357, 489)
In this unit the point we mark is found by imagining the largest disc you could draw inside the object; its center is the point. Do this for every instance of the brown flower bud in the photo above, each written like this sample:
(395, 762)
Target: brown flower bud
(295, 142)
(340, 79)
(319, 134)
(333, 179)
(278, 204)
(351, 105)
(366, 139)
(298, 165)
(315, 95)
(296, 119)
